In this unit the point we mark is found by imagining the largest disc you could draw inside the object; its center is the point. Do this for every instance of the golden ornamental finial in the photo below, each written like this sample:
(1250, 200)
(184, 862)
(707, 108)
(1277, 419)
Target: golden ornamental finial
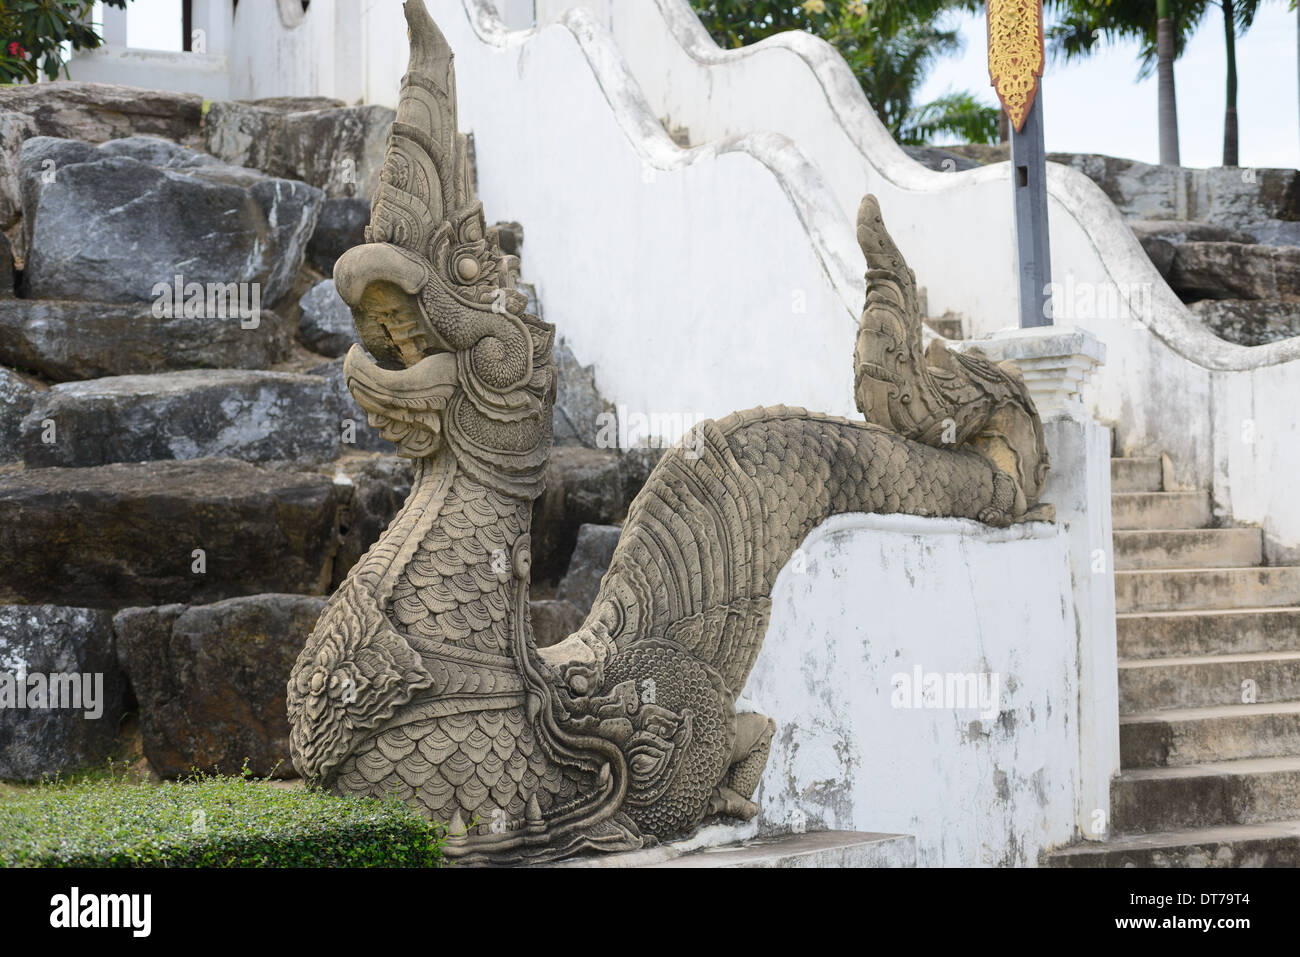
(1016, 55)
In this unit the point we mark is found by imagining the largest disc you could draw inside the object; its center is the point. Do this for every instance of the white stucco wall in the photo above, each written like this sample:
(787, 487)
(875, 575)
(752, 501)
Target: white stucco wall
(1169, 386)
(870, 597)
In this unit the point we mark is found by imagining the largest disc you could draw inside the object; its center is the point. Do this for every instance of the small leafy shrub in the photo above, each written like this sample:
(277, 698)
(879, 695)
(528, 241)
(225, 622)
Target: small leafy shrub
(207, 822)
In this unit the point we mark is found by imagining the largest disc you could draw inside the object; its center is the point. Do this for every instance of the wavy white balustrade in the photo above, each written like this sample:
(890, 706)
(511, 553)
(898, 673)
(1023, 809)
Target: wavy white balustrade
(1223, 411)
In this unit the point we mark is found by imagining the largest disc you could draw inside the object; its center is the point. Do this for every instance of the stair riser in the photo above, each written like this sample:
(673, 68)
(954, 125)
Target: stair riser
(1208, 548)
(1161, 510)
(1145, 591)
(1207, 685)
(1172, 804)
(1264, 852)
(1135, 475)
(1177, 743)
(1223, 634)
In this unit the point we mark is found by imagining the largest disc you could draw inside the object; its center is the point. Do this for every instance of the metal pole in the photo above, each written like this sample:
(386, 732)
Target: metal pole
(1033, 243)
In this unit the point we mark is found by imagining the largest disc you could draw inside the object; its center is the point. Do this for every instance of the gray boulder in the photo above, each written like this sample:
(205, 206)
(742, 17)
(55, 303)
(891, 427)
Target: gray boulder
(17, 395)
(1235, 271)
(553, 621)
(940, 160)
(1223, 196)
(66, 655)
(342, 225)
(325, 322)
(1274, 232)
(253, 416)
(68, 340)
(102, 224)
(353, 424)
(1177, 231)
(583, 487)
(578, 403)
(374, 490)
(91, 112)
(6, 268)
(1249, 323)
(340, 150)
(163, 532)
(211, 681)
(591, 557)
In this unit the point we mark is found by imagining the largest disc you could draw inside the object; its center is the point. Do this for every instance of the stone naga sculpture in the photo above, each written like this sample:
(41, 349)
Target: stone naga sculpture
(422, 679)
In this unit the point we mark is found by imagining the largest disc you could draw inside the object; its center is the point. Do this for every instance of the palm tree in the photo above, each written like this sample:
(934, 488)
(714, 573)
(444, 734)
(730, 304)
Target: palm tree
(1166, 93)
(1238, 17)
(1162, 31)
(1086, 21)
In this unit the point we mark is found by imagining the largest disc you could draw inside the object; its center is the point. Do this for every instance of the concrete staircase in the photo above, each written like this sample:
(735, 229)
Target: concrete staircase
(1209, 688)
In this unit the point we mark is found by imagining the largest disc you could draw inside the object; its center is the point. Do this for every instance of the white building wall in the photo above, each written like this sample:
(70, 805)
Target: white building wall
(871, 597)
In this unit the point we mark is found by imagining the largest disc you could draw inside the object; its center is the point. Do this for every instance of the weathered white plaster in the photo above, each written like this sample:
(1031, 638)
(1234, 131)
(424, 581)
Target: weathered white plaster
(1222, 411)
(871, 596)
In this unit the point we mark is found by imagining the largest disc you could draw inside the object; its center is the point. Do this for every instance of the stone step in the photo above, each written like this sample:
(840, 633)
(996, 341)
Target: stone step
(1181, 634)
(1136, 475)
(1132, 510)
(121, 535)
(1208, 681)
(814, 849)
(1238, 845)
(1188, 548)
(1253, 791)
(253, 416)
(1186, 736)
(68, 340)
(1206, 589)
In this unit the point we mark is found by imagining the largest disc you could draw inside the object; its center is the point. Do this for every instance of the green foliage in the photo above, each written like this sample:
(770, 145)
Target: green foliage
(34, 33)
(207, 822)
(890, 45)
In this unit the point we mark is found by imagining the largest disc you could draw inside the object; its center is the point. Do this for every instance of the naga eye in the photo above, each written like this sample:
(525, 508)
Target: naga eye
(467, 269)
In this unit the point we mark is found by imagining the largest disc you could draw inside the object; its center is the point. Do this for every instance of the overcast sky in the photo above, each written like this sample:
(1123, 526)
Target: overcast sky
(1096, 106)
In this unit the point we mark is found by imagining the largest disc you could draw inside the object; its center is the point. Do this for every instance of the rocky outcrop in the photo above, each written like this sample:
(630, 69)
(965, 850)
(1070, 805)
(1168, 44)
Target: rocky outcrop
(591, 557)
(1274, 232)
(338, 150)
(6, 269)
(61, 693)
(252, 416)
(1235, 271)
(1223, 196)
(356, 434)
(211, 681)
(1249, 323)
(66, 340)
(91, 220)
(17, 394)
(163, 532)
(90, 112)
(342, 225)
(583, 487)
(553, 621)
(578, 403)
(373, 490)
(325, 322)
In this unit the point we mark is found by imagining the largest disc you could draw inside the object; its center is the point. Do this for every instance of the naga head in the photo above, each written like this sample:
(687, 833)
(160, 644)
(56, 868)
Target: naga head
(454, 361)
